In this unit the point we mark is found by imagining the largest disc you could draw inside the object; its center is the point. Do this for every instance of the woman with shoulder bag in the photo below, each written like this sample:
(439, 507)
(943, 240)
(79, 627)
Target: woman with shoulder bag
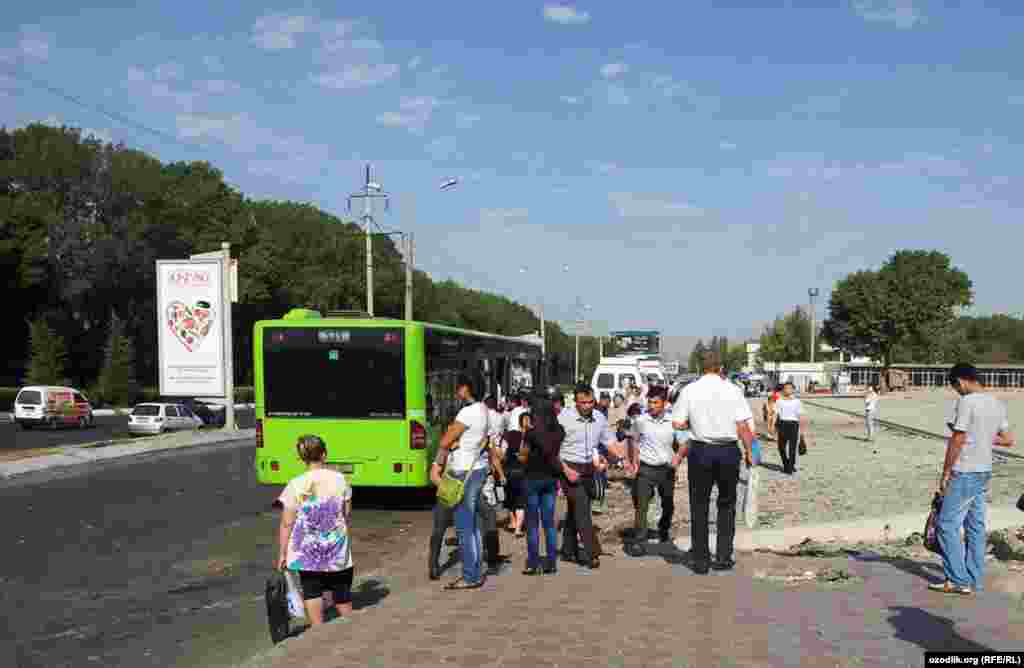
(471, 454)
(515, 489)
(542, 439)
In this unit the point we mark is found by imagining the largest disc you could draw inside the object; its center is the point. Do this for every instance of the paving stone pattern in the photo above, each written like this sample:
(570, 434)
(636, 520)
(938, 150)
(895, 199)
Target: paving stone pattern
(655, 612)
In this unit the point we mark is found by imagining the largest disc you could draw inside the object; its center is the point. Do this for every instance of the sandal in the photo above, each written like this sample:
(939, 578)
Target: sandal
(950, 588)
(461, 584)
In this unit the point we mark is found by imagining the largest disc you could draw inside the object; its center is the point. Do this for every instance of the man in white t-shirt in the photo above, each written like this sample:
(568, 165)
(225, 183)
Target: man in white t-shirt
(715, 412)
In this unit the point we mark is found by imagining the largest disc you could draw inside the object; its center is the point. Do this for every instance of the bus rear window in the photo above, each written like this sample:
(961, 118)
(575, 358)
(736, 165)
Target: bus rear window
(356, 373)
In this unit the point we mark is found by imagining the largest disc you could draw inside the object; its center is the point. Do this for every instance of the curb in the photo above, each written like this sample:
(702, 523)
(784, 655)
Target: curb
(870, 530)
(88, 453)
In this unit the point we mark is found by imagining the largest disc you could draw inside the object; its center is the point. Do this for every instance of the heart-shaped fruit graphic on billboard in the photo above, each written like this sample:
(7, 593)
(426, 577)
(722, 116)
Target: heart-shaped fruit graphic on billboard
(190, 324)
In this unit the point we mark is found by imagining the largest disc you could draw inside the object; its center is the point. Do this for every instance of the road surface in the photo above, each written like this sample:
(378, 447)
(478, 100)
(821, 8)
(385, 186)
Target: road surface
(160, 561)
(13, 437)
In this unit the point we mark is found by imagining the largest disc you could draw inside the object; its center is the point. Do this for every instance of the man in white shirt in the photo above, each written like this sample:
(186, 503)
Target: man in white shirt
(715, 412)
(654, 456)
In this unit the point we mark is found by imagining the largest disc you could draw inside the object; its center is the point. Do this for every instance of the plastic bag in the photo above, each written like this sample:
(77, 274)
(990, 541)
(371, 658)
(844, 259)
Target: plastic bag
(295, 607)
(750, 497)
(931, 536)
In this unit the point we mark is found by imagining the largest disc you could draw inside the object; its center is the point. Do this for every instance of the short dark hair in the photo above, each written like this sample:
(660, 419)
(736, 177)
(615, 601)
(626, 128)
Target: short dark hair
(657, 392)
(583, 389)
(962, 371)
(710, 361)
(605, 395)
(464, 380)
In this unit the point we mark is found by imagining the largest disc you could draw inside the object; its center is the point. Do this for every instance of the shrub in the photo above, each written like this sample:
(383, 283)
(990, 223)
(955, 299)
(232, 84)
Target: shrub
(7, 396)
(116, 383)
(48, 355)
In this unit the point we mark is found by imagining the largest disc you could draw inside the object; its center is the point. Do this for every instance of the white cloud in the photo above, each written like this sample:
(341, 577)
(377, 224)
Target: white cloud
(896, 13)
(154, 85)
(634, 205)
(32, 43)
(565, 14)
(101, 135)
(168, 71)
(617, 95)
(276, 32)
(214, 64)
(571, 99)
(356, 76)
(415, 62)
(414, 113)
(612, 70)
(727, 146)
(464, 120)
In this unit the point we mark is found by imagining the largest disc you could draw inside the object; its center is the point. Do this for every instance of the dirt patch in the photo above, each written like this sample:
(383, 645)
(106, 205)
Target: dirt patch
(16, 455)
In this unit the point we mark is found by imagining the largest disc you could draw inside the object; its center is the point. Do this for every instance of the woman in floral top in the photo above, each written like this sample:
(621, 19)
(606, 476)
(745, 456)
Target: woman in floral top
(314, 536)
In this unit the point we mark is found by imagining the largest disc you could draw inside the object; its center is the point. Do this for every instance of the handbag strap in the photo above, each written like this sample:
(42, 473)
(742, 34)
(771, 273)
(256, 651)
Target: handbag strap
(479, 448)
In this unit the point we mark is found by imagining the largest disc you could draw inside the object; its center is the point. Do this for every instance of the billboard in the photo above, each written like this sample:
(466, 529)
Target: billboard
(190, 327)
(636, 342)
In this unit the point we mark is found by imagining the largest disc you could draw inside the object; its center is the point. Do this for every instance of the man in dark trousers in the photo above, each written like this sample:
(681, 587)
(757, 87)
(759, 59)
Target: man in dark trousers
(716, 413)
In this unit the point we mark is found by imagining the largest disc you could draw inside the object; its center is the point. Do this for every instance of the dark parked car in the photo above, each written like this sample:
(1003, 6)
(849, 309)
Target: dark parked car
(210, 414)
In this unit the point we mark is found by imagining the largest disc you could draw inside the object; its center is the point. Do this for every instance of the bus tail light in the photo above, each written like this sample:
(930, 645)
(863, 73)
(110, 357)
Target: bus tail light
(417, 436)
(259, 433)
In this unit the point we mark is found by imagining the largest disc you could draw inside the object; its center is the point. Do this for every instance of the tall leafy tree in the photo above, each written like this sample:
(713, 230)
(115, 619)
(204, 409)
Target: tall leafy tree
(694, 363)
(911, 302)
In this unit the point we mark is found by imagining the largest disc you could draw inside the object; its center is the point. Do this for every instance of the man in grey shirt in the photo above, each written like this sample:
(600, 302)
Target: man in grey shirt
(978, 422)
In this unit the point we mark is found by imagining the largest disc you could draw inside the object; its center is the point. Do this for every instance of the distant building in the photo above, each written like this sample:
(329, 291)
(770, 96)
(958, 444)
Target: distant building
(826, 352)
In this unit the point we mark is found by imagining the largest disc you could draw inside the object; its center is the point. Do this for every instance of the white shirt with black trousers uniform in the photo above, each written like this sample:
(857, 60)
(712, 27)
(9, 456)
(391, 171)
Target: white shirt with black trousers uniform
(655, 441)
(787, 421)
(716, 412)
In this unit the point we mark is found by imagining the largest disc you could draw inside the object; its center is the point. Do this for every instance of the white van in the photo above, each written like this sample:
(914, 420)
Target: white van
(614, 374)
(44, 405)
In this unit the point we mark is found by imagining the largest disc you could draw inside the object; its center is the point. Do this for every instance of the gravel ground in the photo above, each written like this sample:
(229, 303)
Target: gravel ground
(926, 409)
(841, 478)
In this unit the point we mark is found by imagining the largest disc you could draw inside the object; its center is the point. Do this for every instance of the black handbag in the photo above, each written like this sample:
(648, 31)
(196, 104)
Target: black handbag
(277, 606)
(1020, 503)
(931, 535)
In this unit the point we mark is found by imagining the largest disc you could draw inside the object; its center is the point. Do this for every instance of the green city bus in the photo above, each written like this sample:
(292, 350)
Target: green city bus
(380, 392)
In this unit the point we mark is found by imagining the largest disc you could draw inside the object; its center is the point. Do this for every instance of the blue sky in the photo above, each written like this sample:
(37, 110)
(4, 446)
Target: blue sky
(696, 165)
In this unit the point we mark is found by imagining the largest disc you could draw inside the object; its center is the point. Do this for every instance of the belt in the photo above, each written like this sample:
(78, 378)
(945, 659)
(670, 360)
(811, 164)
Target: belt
(719, 443)
(584, 469)
(656, 466)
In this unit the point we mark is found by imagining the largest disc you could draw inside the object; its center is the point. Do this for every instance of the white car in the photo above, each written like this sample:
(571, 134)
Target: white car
(156, 418)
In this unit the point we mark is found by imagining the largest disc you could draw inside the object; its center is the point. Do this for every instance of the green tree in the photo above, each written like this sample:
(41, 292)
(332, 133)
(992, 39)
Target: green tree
(116, 383)
(48, 354)
(787, 339)
(910, 303)
(694, 364)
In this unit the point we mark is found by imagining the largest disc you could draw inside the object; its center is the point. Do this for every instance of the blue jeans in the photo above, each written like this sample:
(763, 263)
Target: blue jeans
(540, 509)
(964, 506)
(467, 528)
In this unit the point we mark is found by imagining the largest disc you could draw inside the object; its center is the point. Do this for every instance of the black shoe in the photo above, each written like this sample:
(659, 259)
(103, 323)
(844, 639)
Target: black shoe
(567, 558)
(550, 569)
(593, 564)
(494, 569)
(435, 573)
(664, 537)
(700, 567)
(726, 565)
(531, 571)
(636, 550)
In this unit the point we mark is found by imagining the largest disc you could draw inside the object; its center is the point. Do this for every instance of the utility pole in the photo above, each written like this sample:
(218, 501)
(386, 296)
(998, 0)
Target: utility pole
(229, 348)
(812, 293)
(408, 276)
(370, 191)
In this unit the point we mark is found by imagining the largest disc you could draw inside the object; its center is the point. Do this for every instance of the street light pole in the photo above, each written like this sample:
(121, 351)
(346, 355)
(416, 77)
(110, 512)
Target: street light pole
(812, 293)
(369, 192)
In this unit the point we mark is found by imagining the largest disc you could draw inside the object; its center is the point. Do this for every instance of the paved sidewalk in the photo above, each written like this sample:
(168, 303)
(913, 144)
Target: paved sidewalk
(655, 612)
(89, 453)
